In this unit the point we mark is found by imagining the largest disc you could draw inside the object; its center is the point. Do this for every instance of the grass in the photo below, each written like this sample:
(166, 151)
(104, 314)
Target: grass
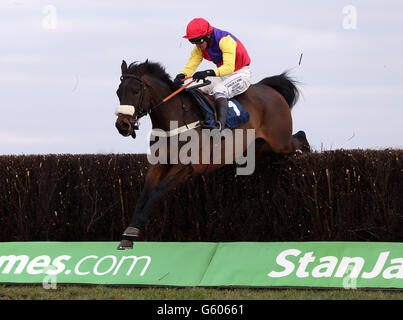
(72, 292)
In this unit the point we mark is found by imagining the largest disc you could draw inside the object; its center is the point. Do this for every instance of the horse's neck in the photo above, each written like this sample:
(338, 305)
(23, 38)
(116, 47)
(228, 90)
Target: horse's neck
(176, 112)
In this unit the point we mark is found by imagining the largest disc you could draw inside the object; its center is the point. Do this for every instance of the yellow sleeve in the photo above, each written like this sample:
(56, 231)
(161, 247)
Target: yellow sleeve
(195, 59)
(228, 48)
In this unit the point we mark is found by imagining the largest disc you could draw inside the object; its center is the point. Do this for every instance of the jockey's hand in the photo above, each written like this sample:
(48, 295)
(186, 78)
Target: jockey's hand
(179, 79)
(203, 74)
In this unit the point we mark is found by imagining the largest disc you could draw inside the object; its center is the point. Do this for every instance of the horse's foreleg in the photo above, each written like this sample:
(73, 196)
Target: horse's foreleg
(176, 175)
(153, 177)
(131, 232)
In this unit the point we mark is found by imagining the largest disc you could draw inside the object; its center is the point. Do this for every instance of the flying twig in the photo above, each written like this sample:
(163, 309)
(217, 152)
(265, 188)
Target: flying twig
(300, 59)
(351, 137)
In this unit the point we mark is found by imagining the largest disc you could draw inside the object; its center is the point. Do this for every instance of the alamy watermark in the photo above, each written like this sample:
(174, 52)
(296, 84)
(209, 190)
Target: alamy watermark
(50, 280)
(49, 20)
(350, 18)
(212, 147)
(350, 279)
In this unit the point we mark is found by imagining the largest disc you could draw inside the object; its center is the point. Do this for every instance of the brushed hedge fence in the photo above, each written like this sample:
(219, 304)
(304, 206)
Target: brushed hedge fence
(345, 195)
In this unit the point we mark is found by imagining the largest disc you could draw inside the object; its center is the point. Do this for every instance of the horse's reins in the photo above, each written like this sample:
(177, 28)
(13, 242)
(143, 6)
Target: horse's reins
(142, 112)
(177, 91)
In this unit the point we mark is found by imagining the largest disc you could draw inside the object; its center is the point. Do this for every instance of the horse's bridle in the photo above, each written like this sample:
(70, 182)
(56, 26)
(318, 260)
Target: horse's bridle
(134, 120)
(141, 112)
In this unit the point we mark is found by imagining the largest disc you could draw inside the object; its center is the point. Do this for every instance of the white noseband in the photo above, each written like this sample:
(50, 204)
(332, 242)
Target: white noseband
(125, 109)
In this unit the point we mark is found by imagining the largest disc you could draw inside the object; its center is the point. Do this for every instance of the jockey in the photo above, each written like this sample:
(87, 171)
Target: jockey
(232, 75)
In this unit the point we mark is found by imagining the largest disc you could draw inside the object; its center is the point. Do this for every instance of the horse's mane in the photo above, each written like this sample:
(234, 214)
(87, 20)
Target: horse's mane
(152, 68)
(158, 71)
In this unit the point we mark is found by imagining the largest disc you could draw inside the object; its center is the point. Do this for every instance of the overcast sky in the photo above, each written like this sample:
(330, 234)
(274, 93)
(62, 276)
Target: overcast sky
(60, 66)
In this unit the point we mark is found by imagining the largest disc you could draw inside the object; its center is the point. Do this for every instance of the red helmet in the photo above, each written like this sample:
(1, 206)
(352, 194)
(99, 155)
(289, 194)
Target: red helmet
(197, 28)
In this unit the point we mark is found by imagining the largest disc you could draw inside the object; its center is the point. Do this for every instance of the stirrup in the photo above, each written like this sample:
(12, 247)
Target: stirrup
(219, 126)
(216, 125)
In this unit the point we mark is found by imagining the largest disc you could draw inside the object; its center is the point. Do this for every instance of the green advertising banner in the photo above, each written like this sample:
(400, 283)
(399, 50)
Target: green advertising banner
(307, 264)
(149, 263)
(246, 264)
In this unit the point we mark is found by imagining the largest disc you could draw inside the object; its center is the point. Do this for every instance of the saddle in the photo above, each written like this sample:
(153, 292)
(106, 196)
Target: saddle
(206, 103)
(236, 114)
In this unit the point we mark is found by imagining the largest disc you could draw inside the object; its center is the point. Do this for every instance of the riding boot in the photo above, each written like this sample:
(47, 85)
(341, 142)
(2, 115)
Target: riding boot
(222, 112)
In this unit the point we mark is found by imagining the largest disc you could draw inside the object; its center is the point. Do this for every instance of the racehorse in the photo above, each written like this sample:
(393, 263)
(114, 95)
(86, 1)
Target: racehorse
(141, 91)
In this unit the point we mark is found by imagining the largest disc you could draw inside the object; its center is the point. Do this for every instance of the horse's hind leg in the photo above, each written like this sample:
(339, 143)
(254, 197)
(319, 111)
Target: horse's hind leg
(287, 143)
(304, 144)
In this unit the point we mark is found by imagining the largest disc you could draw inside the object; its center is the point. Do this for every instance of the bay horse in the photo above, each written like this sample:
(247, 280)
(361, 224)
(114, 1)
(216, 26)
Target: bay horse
(142, 88)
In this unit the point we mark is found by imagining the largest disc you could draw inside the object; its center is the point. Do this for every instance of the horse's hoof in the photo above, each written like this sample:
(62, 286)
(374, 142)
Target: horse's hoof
(131, 232)
(125, 244)
(128, 237)
(305, 147)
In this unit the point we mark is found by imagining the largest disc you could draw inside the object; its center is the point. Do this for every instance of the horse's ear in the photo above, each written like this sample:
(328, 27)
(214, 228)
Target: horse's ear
(146, 61)
(124, 67)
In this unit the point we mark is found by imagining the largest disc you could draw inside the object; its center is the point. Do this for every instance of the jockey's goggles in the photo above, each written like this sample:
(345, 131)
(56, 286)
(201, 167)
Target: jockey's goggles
(198, 40)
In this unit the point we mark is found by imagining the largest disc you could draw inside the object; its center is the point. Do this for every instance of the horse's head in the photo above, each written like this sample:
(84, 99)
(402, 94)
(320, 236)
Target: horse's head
(142, 89)
(133, 102)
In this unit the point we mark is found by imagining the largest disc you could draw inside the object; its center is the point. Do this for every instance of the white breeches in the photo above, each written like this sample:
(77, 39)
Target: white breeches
(230, 85)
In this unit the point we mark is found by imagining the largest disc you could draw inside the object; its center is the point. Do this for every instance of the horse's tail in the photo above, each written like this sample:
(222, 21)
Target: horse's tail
(284, 85)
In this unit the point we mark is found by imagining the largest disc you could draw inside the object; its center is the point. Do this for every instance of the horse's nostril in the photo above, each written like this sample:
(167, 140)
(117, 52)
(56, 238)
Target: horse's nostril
(124, 126)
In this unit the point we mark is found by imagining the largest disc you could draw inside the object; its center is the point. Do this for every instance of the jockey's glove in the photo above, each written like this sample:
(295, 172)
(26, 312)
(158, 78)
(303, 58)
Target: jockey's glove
(179, 79)
(203, 74)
